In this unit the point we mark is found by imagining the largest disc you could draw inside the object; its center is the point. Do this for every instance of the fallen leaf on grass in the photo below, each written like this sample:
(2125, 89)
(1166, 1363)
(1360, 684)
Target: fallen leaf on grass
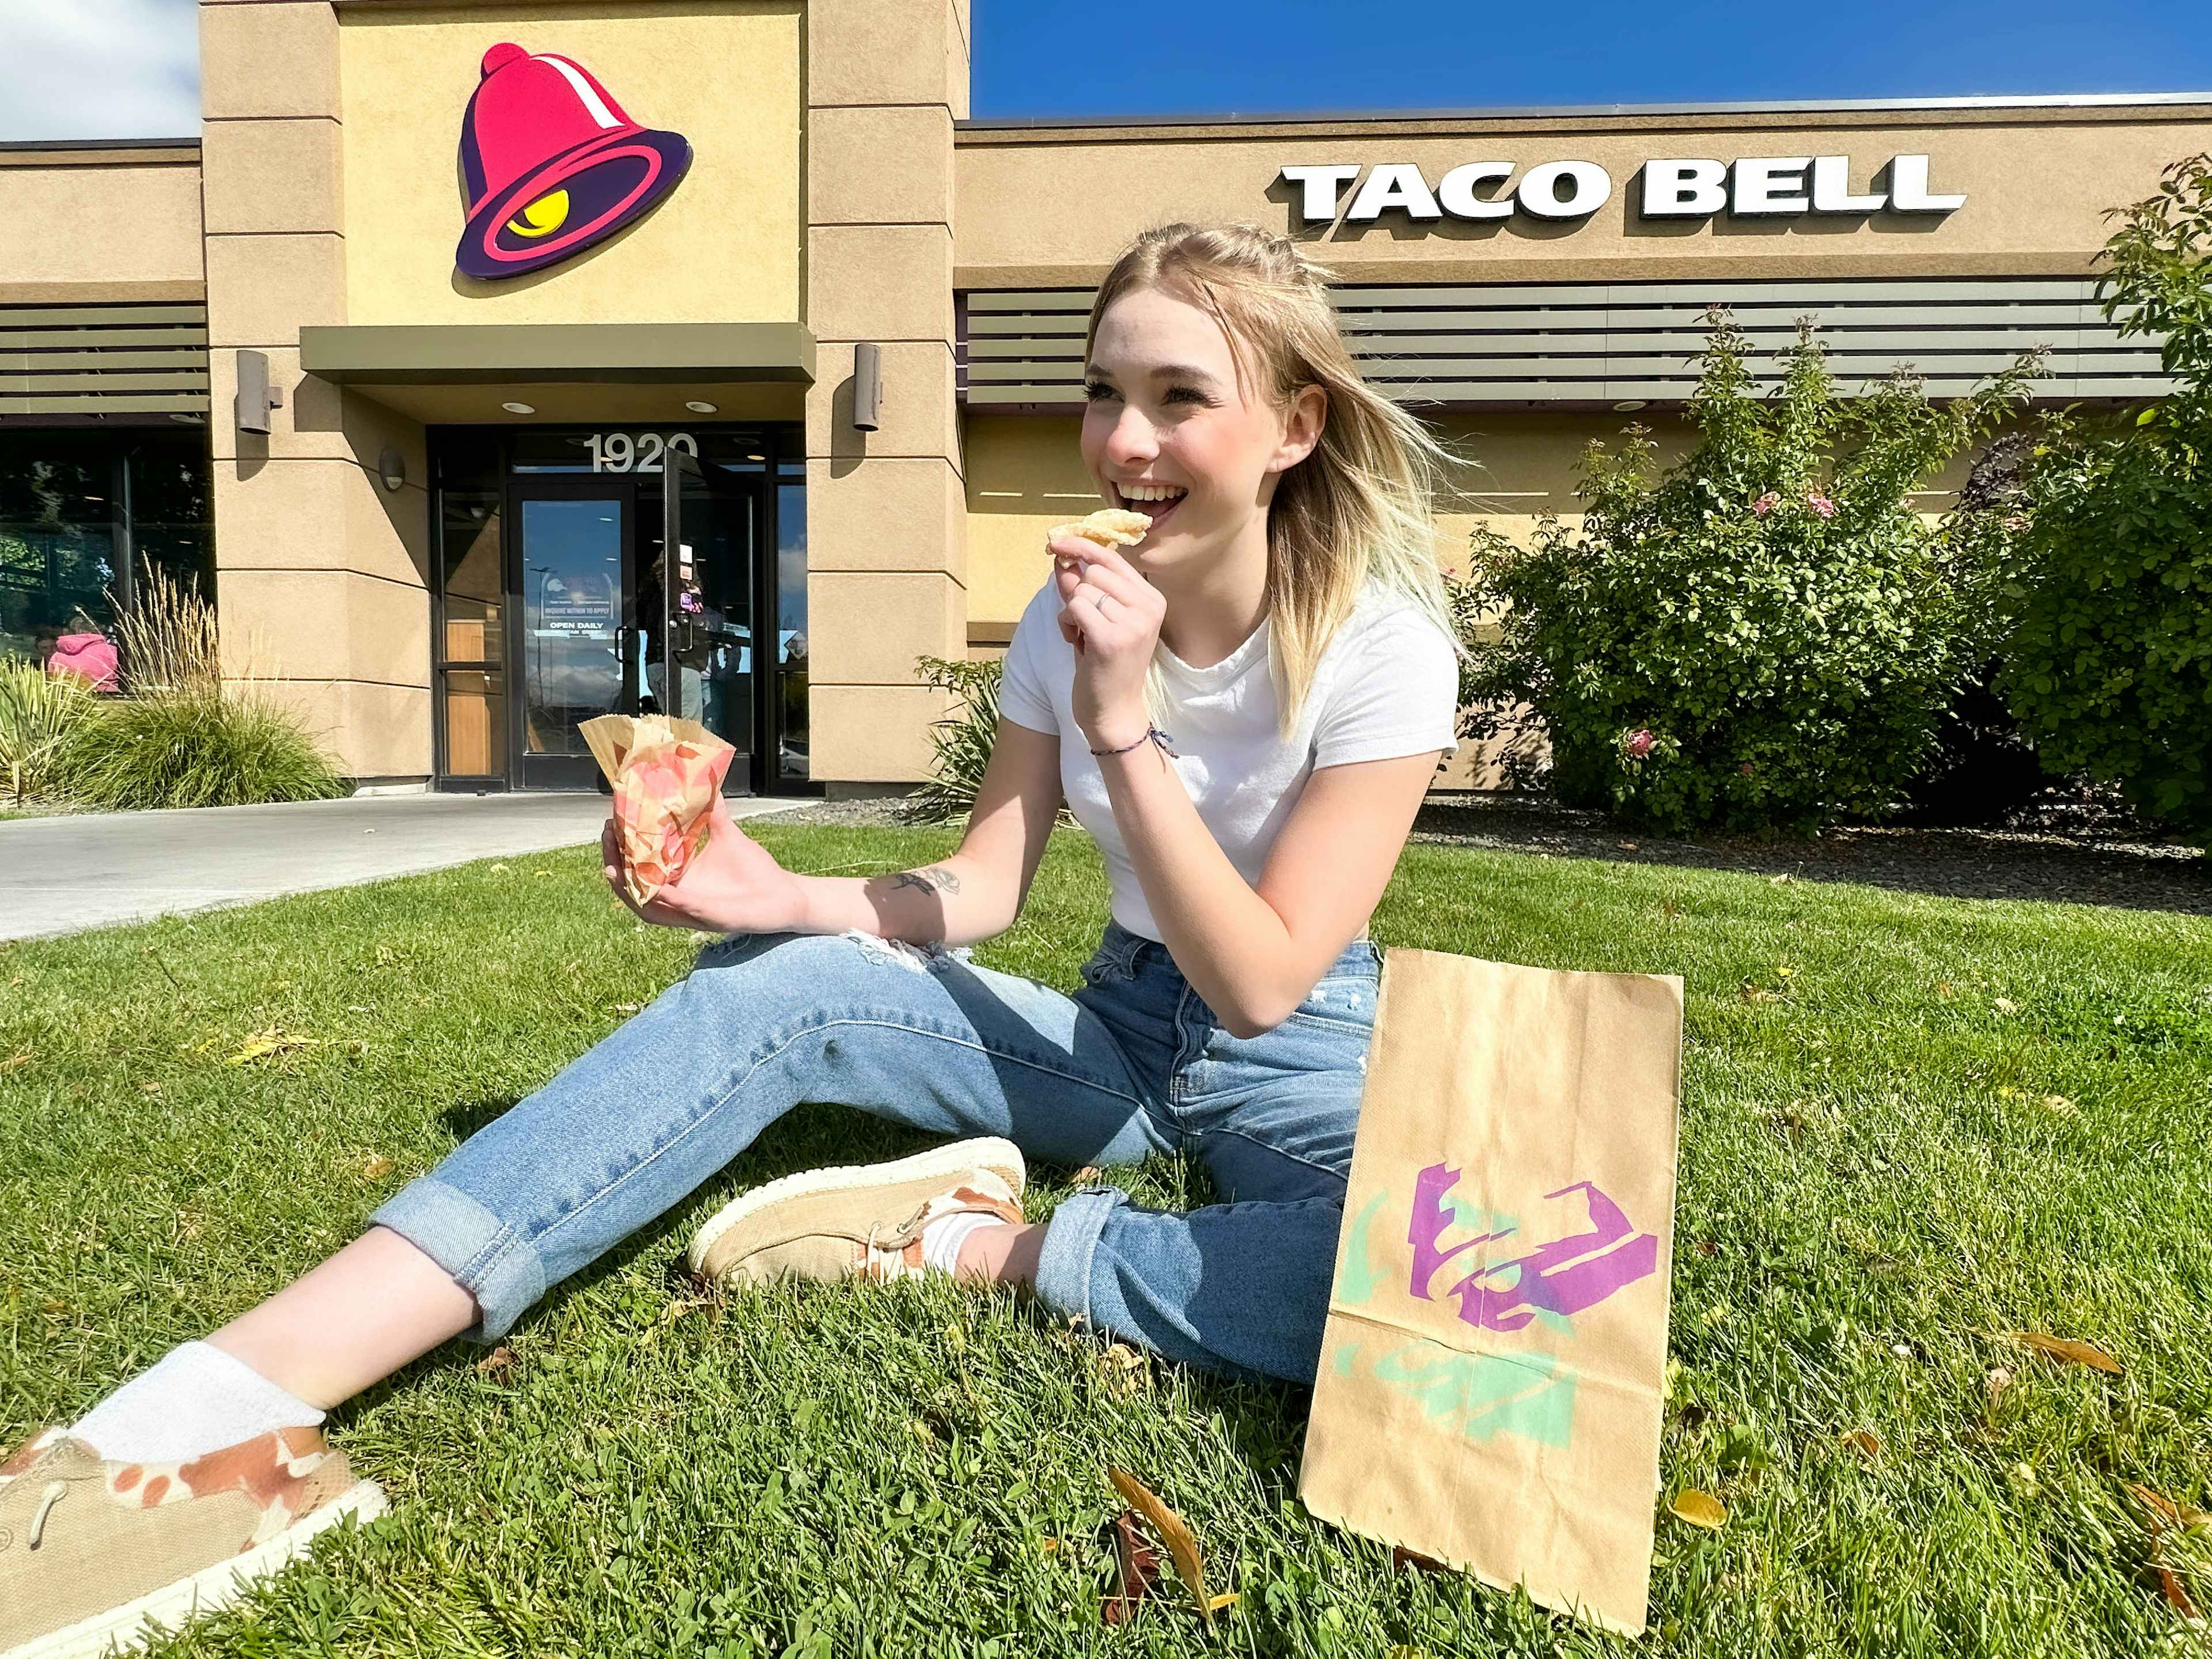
(376, 1167)
(1699, 1509)
(2177, 1597)
(1226, 1599)
(1402, 1557)
(1997, 1380)
(2169, 1512)
(497, 1360)
(2004, 1006)
(1136, 1570)
(2065, 1347)
(1864, 1441)
(270, 1041)
(1182, 1548)
(14, 1060)
(1049, 1547)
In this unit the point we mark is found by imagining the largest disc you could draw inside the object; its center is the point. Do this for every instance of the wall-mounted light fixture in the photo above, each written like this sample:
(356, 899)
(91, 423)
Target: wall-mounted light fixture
(867, 386)
(699, 406)
(257, 393)
(520, 409)
(392, 467)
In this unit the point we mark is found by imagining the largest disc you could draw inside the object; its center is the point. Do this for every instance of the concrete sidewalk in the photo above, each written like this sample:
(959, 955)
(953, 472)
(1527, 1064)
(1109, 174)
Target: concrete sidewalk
(64, 874)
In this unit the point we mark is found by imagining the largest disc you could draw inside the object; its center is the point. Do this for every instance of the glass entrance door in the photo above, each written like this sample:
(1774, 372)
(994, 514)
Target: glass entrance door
(570, 545)
(705, 578)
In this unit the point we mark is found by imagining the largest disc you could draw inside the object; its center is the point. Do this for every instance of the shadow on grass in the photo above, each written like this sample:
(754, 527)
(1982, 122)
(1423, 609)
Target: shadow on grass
(1983, 864)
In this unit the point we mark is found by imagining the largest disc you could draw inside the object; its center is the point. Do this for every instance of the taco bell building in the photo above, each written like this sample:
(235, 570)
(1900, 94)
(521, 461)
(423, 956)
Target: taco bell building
(497, 366)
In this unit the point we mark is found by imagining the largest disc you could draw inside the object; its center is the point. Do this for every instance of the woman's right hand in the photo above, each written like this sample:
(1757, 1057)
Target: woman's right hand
(732, 884)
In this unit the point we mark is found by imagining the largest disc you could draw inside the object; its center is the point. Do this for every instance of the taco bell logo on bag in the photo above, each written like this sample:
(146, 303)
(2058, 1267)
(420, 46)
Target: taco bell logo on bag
(1532, 1393)
(551, 164)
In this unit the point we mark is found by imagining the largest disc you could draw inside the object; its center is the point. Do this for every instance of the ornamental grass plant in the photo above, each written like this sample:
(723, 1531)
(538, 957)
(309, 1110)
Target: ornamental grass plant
(960, 743)
(1761, 636)
(38, 711)
(181, 736)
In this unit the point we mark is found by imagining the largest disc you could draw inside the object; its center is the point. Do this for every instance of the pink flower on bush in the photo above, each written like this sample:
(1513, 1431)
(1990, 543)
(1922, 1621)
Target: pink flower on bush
(1638, 744)
(1746, 769)
(1767, 503)
(1821, 504)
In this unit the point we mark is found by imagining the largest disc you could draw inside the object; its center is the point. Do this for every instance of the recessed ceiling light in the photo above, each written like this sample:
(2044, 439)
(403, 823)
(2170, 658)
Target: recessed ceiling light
(1626, 406)
(699, 406)
(520, 409)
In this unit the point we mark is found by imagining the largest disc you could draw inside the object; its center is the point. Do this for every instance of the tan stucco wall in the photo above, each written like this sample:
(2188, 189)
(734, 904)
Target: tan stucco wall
(323, 574)
(99, 224)
(1048, 206)
(886, 532)
(723, 247)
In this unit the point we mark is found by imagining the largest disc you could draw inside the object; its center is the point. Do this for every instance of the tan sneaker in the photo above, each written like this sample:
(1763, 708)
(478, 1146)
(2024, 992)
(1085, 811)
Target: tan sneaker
(863, 1220)
(91, 1549)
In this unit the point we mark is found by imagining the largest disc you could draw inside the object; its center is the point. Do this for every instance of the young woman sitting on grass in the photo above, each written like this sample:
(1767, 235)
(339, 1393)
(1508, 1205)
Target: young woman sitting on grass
(1245, 710)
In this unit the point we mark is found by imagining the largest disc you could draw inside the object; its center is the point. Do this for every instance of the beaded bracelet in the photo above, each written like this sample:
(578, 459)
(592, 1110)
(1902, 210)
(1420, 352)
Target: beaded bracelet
(1152, 734)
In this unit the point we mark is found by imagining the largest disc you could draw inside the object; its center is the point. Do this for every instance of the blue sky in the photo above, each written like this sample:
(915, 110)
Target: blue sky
(1035, 58)
(128, 69)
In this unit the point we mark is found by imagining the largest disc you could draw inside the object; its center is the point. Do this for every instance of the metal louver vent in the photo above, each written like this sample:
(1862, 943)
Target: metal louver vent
(109, 359)
(1599, 343)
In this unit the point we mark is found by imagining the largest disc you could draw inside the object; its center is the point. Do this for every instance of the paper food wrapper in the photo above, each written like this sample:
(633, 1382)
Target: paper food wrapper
(1492, 1366)
(665, 775)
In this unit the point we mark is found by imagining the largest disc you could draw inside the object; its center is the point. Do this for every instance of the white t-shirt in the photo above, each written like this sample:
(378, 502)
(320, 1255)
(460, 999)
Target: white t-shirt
(1388, 685)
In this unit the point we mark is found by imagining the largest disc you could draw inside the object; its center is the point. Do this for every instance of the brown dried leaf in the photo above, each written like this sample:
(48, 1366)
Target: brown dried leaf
(2177, 1597)
(1864, 1441)
(1699, 1509)
(1190, 1565)
(1402, 1557)
(497, 1360)
(2065, 1347)
(14, 1060)
(1136, 1570)
(376, 1167)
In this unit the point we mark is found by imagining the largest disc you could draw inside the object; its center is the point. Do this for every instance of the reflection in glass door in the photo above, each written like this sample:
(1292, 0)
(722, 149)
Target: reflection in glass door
(570, 550)
(704, 671)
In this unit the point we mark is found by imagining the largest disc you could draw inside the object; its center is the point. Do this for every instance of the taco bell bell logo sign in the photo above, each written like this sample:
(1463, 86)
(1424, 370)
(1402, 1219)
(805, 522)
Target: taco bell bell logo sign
(551, 164)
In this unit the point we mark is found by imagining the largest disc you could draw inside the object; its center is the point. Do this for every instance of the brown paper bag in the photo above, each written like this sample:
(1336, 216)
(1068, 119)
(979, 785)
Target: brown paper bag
(1492, 1368)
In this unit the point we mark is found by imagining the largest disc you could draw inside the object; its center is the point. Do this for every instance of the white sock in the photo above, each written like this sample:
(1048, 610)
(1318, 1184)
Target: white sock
(196, 1399)
(942, 1238)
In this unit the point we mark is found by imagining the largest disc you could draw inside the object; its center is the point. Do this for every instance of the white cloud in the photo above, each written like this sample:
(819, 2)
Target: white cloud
(99, 69)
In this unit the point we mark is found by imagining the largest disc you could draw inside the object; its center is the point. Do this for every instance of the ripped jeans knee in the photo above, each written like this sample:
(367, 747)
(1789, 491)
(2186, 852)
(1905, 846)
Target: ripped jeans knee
(900, 953)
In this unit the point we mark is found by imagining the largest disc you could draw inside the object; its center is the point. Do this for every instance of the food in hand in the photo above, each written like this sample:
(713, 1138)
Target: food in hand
(1109, 526)
(666, 775)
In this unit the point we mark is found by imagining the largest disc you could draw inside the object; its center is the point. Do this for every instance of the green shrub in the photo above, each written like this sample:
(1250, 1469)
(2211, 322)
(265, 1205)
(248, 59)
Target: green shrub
(1762, 635)
(37, 711)
(201, 747)
(961, 742)
(2108, 664)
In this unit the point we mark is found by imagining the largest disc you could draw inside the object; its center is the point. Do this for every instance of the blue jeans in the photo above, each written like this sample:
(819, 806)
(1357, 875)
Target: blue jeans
(1134, 1062)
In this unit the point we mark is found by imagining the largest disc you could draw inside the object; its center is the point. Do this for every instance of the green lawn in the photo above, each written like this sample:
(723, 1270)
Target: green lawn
(1949, 1119)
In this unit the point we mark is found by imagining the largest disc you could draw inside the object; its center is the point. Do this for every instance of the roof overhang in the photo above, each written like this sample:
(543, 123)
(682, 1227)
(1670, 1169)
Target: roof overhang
(511, 354)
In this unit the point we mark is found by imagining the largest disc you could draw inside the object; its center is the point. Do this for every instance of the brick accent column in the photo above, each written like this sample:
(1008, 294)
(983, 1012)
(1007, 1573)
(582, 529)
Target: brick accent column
(887, 523)
(322, 574)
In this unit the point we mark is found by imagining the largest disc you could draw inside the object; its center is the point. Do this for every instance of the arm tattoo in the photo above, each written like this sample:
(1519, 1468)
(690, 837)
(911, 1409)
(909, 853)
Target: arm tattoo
(930, 881)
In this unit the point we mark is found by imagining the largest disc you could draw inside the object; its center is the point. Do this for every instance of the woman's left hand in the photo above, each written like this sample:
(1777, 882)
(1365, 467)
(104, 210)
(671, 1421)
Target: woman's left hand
(1111, 614)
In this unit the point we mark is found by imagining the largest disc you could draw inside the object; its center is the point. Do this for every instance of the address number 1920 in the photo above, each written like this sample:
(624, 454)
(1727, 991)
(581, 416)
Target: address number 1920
(640, 452)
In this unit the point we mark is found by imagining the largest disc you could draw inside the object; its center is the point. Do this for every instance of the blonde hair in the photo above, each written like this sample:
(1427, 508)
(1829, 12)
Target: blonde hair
(1359, 507)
